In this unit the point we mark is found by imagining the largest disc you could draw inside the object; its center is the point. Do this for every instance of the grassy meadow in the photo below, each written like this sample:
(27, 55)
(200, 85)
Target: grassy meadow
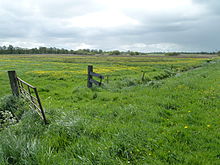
(169, 116)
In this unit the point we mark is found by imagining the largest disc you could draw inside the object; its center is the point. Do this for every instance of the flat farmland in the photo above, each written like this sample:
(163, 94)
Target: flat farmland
(58, 75)
(149, 110)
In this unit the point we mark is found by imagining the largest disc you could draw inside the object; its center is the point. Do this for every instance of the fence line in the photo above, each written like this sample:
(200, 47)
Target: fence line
(21, 88)
(90, 77)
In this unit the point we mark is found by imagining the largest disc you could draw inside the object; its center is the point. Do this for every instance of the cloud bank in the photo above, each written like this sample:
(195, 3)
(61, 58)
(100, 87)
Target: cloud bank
(138, 25)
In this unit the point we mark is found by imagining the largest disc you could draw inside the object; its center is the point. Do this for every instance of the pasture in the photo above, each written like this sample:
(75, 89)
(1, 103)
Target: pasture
(169, 116)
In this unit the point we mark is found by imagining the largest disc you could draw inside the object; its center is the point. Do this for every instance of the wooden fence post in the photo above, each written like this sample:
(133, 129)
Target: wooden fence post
(107, 78)
(40, 105)
(143, 76)
(14, 83)
(90, 69)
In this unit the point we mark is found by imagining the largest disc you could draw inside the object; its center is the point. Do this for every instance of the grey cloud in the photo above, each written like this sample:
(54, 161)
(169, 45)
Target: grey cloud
(212, 5)
(65, 8)
(42, 22)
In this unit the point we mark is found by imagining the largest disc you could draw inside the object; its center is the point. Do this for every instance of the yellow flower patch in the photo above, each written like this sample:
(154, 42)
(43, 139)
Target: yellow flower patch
(113, 69)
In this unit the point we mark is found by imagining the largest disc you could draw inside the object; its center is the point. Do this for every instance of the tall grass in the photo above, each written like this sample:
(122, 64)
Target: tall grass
(164, 121)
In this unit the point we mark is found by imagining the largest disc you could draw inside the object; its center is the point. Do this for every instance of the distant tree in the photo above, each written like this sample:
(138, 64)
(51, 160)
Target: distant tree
(42, 50)
(115, 52)
(134, 53)
(10, 49)
(172, 54)
(100, 51)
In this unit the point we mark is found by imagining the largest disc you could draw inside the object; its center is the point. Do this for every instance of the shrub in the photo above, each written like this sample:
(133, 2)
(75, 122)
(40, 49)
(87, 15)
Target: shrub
(115, 52)
(172, 54)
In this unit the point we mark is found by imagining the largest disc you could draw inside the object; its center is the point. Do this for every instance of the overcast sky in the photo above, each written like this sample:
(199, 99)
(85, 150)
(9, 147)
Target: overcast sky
(137, 25)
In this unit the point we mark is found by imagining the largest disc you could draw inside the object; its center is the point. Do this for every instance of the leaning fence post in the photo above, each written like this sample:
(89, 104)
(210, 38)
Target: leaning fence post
(13, 82)
(40, 105)
(90, 69)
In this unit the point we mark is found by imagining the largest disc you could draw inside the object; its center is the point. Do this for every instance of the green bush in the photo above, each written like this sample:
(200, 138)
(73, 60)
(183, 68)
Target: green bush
(172, 54)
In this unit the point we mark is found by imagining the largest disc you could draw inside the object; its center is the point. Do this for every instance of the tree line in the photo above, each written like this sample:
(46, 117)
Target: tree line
(52, 50)
(44, 50)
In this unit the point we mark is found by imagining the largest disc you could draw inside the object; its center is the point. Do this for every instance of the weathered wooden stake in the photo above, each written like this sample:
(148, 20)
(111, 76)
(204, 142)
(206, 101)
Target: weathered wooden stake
(90, 69)
(40, 105)
(107, 78)
(143, 76)
(13, 82)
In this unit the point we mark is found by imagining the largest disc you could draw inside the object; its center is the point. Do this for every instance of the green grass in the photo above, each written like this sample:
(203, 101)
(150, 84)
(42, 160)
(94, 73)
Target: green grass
(172, 117)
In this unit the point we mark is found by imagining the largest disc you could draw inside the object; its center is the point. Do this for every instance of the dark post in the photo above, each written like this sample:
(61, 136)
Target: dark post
(40, 105)
(143, 76)
(14, 83)
(107, 78)
(90, 69)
